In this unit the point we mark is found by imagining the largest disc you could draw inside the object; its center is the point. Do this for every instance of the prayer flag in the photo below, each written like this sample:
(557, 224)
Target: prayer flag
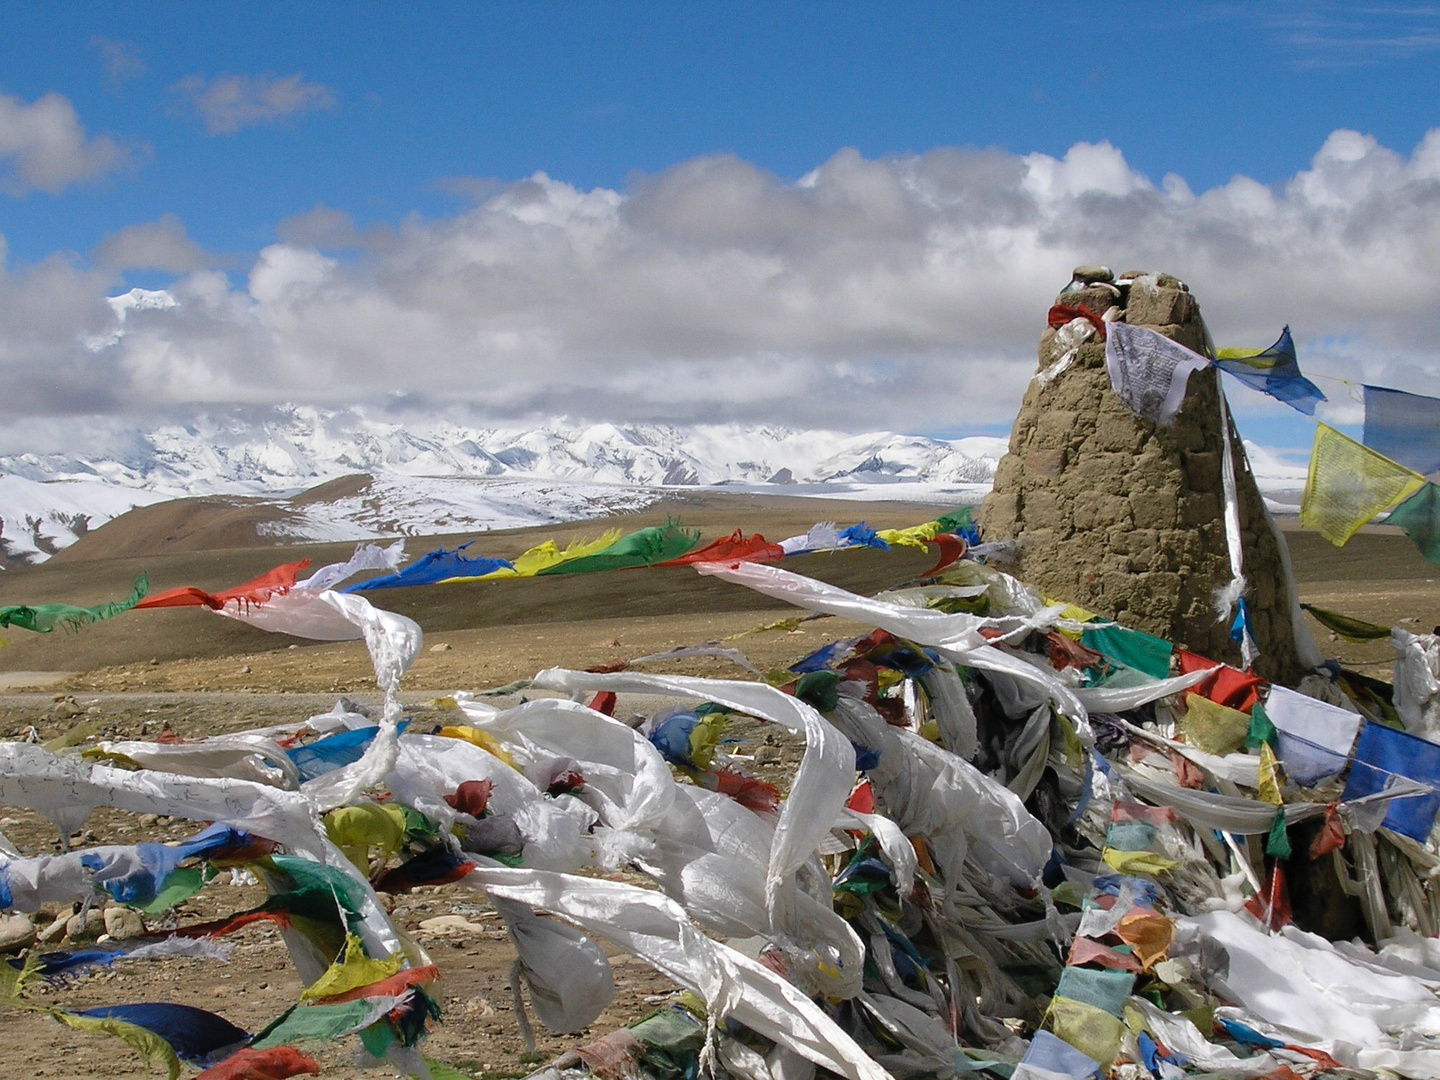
(1349, 484)
(1404, 427)
(1419, 516)
(1273, 371)
(1148, 371)
(1386, 752)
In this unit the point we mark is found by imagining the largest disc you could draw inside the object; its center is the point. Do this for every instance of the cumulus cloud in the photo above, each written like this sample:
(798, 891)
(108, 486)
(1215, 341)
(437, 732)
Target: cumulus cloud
(228, 103)
(156, 245)
(904, 292)
(44, 147)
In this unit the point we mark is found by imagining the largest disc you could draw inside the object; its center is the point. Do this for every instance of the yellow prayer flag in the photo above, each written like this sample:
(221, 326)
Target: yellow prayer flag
(1269, 781)
(915, 536)
(544, 556)
(1348, 484)
(1213, 727)
(1137, 863)
(352, 971)
(483, 739)
(1090, 1030)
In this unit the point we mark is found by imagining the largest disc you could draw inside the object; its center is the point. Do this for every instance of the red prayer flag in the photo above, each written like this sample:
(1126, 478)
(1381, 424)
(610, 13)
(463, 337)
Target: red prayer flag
(952, 550)
(733, 548)
(275, 1063)
(279, 580)
(1228, 686)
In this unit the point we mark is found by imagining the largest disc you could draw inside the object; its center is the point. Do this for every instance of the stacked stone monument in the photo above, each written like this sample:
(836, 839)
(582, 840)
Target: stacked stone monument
(1123, 516)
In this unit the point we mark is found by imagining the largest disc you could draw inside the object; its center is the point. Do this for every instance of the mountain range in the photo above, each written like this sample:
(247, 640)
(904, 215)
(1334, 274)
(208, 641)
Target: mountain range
(431, 476)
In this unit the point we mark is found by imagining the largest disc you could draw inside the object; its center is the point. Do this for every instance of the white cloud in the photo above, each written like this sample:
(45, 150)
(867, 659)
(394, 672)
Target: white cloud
(905, 292)
(44, 147)
(121, 60)
(156, 245)
(228, 103)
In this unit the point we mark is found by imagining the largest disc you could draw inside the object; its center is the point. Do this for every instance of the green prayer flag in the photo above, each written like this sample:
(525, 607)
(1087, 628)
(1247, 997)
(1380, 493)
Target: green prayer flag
(43, 618)
(1261, 729)
(958, 521)
(1133, 648)
(1419, 516)
(1351, 629)
(646, 547)
(1278, 842)
(302, 1023)
(180, 885)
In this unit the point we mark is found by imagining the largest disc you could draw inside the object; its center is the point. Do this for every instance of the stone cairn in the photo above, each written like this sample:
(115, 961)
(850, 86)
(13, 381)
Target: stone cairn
(1125, 517)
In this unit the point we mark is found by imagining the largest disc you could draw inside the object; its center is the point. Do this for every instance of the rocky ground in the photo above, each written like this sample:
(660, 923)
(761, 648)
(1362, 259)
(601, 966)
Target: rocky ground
(161, 674)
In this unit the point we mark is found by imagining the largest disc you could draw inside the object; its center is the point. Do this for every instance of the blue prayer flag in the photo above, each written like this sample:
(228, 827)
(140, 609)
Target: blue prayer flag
(1273, 371)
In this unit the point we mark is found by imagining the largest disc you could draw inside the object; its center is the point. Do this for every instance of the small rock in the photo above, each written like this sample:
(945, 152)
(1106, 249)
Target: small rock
(1089, 274)
(55, 931)
(123, 922)
(444, 646)
(16, 932)
(245, 670)
(149, 819)
(154, 661)
(86, 926)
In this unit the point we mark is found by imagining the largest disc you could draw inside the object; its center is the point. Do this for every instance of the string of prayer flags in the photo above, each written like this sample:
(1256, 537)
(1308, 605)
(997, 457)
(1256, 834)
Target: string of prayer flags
(1403, 427)
(1349, 484)
(1148, 371)
(1273, 371)
(43, 618)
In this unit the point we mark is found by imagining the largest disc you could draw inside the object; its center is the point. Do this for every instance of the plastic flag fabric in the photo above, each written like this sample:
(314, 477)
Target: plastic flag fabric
(1384, 753)
(1403, 427)
(1419, 517)
(279, 580)
(1148, 371)
(433, 568)
(43, 618)
(1315, 737)
(1349, 484)
(1273, 371)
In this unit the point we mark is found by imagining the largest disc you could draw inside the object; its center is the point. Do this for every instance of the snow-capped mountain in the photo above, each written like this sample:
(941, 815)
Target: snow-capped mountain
(553, 472)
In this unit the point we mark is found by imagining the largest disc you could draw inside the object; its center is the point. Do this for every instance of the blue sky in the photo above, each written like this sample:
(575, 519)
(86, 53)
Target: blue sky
(203, 138)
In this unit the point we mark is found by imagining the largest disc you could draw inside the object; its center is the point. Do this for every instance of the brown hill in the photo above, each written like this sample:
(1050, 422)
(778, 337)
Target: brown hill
(101, 567)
